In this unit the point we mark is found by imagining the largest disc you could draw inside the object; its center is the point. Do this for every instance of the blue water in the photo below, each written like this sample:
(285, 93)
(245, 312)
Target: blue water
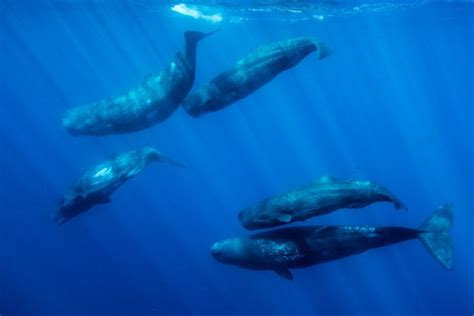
(393, 104)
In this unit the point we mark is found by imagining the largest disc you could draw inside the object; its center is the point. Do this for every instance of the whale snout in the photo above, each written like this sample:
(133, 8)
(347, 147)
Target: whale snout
(251, 217)
(242, 218)
(216, 252)
(82, 121)
(227, 251)
(70, 123)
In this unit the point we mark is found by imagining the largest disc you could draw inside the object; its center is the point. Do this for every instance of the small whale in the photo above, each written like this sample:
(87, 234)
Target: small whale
(251, 73)
(152, 102)
(97, 184)
(325, 196)
(298, 247)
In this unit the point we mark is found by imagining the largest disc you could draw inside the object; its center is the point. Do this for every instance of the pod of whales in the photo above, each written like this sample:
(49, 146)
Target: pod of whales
(325, 196)
(97, 184)
(279, 249)
(251, 73)
(152, 102)
(297, 247)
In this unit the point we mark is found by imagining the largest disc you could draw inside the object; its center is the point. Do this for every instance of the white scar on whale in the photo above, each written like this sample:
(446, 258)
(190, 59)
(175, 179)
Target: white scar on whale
(103, 172)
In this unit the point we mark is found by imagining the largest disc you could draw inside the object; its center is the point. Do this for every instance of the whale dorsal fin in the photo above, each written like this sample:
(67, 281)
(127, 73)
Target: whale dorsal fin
(327, 179)
(284, 218)
(147, 78)
(284, 273)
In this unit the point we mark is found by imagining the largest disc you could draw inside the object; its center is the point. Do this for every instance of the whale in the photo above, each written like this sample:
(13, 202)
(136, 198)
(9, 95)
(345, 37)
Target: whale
(324, 196)
(150, 103)
(97, 184)
(288, 248)
(251, 73)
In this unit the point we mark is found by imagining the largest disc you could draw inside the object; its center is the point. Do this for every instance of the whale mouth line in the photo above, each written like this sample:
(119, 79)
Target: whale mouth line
(216, 253)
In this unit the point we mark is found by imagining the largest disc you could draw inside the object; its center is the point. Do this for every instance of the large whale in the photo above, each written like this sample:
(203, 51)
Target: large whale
(297, 247)
(97, 184)
(322, 197)
(250, 73)
(152, 102)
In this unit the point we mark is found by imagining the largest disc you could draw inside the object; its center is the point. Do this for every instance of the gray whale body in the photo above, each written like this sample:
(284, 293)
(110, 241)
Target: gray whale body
(251, 73)
(97, 184)
(298, 247)
(325, 196)
(152, 102)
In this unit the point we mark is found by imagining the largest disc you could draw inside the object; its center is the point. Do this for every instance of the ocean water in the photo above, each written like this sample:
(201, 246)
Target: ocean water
(394, 104)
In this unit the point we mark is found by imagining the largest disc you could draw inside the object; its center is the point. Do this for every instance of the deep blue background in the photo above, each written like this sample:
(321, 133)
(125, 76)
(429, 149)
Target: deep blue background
(393, 104)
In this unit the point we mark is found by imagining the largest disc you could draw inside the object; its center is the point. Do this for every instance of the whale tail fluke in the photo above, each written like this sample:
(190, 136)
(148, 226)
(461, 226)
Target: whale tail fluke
(193, 37)
(323, 50)
(175, 163)
(434, 234)
(155, 155)
(167, 159)
(58, 218)
(383, 194)
(399, 205)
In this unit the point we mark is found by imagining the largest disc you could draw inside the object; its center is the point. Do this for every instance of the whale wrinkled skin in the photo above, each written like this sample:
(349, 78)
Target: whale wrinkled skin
(97, 184)
(298, 247)
(325, 196)
(150, 103)
(251, 73)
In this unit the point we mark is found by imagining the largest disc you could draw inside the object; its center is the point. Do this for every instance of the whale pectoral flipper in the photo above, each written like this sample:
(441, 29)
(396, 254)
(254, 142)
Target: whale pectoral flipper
(284, 218)
(323, 50)
(284, 273)
(103, 200)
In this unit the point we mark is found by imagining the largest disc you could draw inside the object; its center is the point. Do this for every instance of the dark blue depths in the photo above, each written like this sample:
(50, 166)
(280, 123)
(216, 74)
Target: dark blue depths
(393, 104)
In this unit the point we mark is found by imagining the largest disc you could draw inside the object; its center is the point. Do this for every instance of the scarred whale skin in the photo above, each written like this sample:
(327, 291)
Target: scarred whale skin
(298, 247)
(325, 196)
(251, 73)
(150, 103)
(97, 184)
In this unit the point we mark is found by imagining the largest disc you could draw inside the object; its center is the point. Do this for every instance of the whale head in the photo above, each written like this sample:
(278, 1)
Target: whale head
(230, 251)
(76, 121)
(74, 203)
(69, 207)
(264, 215)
